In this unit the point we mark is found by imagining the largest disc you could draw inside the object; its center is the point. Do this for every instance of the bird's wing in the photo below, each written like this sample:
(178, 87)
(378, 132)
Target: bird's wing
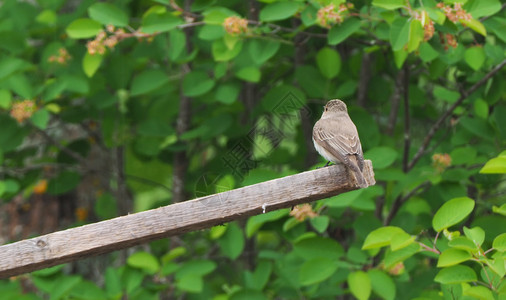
(336, 138)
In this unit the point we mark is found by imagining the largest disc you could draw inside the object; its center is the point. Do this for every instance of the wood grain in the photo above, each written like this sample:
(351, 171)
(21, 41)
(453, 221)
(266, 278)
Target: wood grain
(126, 231)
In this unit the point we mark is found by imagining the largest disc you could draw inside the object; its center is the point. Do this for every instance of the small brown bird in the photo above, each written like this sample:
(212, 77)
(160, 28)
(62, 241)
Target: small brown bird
(335, 137)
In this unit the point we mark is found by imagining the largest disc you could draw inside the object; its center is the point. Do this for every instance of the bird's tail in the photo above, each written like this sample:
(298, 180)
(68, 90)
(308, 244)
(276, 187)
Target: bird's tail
(359, 177)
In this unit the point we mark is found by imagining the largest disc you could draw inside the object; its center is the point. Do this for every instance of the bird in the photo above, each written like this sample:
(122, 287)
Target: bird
(335, 137)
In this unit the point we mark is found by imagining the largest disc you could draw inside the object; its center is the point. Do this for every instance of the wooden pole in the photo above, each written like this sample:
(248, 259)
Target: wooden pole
(126, 231)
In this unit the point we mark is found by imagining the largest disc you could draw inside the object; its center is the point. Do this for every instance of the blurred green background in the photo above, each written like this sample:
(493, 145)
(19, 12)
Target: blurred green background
(109, 108)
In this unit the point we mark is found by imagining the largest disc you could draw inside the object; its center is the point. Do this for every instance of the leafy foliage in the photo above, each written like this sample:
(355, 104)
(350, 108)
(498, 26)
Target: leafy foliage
(122, 106)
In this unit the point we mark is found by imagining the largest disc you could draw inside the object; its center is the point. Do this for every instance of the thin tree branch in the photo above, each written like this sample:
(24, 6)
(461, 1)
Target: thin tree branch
(395, 100)
(446, 114)
(182, 125)
(62, 148)
(364, 78)
(399, 201)
(407, 125)
(148, 181)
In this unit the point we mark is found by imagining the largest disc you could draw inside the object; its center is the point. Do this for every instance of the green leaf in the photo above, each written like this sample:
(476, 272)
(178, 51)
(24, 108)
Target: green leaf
(496, 165)
(329, 62)
(154, 22)
(427, 53)
(261, 51)
(216, 15)
(48, 271)
(401, 240)
(190, 283)
(344, 199)
(232, 242)
(479, 127)
(64, 182)
(144, 261)
(339, 33)
(455, 274)
(498, 27)
(481, 8)
(148, 81)
(463, 243)
(227, 93)
(256, 222)
(83, 28)
(108, 14)
(258, 279)
(481, 108)
(47, 17)
(360, 285)
(452, 212)
(475, 234)
(217, 231)
(91, 63)
(453, 256)
(463, 155)
(278, 11)
(382, 237)
(316, 270)
(197, 83)
(64, 285)
(221, 52)
(475, 57)
(21, 85)
(499, 243)
(497, 265)
(416, 34)
(399, 33)
(175, 253)
(389, 4)
(475, 25)
(198, 267)
(496, 209)
(320, 223)
(5, 99)
(479, 292)
(400, 57)
(9, 65)
(381, 157)
(382, 284)
(86, 290)
(40, 118)
(445, 94)
(251, 74)
(177, 44)
(315, 247)
(211, 32)
(106, 206)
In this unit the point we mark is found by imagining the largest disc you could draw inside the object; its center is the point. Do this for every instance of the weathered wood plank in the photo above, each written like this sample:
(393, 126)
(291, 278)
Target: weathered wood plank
(126, 231)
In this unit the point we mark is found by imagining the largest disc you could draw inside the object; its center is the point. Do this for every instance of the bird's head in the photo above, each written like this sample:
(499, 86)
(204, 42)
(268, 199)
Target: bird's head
(335, 106)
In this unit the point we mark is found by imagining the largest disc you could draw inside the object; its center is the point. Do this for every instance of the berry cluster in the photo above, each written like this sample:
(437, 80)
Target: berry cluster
(454, 13)
(448, 40)
(23, 110)
(441, 161)
(41, 187)
(102, 40)
(235, 25)
(302, 212)
(62, 57)
(330, 14)
(81, 213)
(427, 23)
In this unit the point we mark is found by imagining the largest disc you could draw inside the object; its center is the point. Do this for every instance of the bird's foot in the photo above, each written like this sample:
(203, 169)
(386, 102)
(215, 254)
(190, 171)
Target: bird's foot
(326, 165)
